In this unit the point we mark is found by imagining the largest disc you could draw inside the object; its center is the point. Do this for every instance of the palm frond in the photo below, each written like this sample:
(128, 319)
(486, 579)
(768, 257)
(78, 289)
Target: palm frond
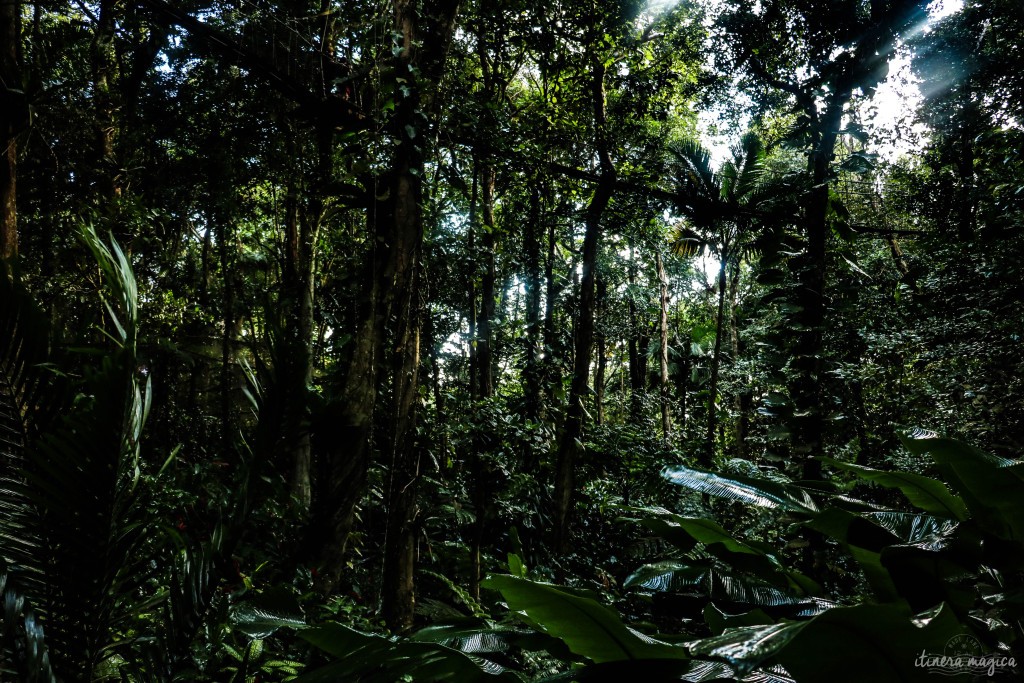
(686, 243)
(23, 649)
(759, 492)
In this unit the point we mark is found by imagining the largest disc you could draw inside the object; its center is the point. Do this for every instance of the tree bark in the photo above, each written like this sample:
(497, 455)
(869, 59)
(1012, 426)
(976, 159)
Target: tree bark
(424, 48)
(806, 384)
(10, 77)
(390, 310)
(104, 65)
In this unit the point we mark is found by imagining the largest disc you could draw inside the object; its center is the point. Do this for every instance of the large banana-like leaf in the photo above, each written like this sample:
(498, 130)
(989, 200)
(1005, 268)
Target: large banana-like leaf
(864, 540)
(992, 487)
(930, 495)
(370, 658)
(842, 645)
(924, 531)
(691, 671)
(739, 591)
(587, 627)
(759, 492)
(872, 539)
(684, 532)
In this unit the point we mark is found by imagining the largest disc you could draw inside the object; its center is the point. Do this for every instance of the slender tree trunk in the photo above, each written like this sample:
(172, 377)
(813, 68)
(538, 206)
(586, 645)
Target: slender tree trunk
(569, 445)
(634, 345)
(303, 232)
(551, 374)
(487, 282)
(225, 238)
(531, 257)
(742, 400)
(343, 439)
(663, 387)
(716, 364)
(602, 361)
(10, 39)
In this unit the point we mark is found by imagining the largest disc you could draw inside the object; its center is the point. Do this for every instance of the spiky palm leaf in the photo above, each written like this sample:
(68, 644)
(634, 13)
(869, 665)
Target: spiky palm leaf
(75, 527)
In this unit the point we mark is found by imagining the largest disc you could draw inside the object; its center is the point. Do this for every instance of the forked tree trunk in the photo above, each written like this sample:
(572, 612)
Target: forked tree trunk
(388, 334)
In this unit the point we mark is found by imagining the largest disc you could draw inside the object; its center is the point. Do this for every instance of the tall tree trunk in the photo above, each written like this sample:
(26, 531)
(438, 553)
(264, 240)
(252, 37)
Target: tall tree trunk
(225, 238)
(742, 400)
(551, 372)
(396, 223)
(484, 367)
(104, 65)
(534, 350)
(474, 346)
(806, 383)
(10, 77)
(569, 445)
(300, 267)
(425, 40)
(663, 387)
(343, 438)
(487, 282)
(716, 364)
(602, 361)
(635, 346)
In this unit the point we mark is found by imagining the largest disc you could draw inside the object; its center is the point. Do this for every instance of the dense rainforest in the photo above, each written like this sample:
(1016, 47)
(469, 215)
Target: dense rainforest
(561, 340)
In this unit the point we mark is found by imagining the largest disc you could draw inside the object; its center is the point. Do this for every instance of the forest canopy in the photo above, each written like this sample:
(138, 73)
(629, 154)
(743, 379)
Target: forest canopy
(450, 340)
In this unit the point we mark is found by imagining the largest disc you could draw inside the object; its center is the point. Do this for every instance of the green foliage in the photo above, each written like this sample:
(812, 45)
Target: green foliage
(366, 657)
(588, 628)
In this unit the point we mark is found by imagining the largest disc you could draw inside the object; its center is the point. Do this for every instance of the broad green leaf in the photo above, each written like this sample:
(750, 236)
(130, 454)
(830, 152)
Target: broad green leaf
(718, 621)
(842, 645)
(667, 576)
(864, 541)
(374, 659)
(760, 492)
(915, 529)
(587, 627)
(684, 531)
(725, 587)
(747, 647)
(992, 487)
(931, 495)
(516, 566)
